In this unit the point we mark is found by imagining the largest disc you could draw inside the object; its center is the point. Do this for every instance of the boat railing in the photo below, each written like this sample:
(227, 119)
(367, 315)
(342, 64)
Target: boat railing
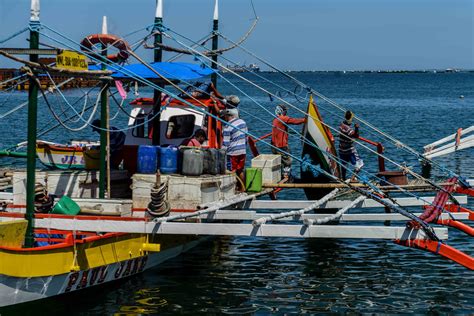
(380, 150)
(253, 143)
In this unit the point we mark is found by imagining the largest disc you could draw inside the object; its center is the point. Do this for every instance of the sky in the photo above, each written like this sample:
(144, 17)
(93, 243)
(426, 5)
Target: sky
(292, 35)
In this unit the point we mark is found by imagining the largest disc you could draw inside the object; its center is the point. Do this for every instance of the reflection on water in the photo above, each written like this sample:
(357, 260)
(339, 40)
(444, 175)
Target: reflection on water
(246, 276)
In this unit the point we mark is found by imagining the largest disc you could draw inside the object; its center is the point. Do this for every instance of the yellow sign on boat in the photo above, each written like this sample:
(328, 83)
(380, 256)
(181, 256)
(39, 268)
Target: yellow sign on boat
(67, 59)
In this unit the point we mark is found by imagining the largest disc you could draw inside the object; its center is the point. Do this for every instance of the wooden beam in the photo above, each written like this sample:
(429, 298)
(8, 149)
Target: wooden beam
(340, 185)
(221, 229)
(29, 51)
(42, 67)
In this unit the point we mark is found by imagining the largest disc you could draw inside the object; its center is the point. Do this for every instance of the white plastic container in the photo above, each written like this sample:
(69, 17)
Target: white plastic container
(271, 165)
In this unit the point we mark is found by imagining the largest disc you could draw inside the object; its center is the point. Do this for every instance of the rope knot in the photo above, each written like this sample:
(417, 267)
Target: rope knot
(34, 26)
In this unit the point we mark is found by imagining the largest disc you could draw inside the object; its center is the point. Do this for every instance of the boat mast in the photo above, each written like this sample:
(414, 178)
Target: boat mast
(157, 57)
(103, 121)
(215, 38)
(32, 126)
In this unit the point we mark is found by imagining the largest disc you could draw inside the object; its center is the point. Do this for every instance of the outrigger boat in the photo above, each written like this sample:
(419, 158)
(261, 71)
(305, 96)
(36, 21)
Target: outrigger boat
(75, 260)
(94, 241)
(60, 156)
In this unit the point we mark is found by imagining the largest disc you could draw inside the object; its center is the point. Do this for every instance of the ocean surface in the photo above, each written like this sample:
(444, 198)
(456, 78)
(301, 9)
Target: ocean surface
(259, 276)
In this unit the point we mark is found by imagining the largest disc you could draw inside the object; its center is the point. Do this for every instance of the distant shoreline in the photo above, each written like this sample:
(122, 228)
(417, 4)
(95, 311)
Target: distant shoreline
(434, 71)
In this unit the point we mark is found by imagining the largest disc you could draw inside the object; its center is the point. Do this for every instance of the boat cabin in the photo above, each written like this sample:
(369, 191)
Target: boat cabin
(178, 123)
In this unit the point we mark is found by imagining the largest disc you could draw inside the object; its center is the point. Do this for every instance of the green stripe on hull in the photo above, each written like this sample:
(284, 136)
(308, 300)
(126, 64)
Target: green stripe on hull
(64, 166)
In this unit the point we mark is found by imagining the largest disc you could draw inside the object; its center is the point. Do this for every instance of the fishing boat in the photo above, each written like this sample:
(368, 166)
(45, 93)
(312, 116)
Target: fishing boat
(37, 263)
(89, 242)
(64, 156)
(72, 261)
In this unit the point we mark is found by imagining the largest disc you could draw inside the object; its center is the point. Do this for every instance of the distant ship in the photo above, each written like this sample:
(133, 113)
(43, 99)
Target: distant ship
(242, 68)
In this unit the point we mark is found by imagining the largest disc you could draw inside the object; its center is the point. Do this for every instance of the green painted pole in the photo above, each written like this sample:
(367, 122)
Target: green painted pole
(32, 127)
(215, 42)
(157, 57)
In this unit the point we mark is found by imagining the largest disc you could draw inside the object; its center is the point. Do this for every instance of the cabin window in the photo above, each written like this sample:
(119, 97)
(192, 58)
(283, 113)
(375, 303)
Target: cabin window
(139, 126)
(180, 126)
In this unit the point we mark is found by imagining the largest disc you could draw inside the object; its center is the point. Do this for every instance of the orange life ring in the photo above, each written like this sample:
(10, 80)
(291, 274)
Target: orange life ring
(90, 41)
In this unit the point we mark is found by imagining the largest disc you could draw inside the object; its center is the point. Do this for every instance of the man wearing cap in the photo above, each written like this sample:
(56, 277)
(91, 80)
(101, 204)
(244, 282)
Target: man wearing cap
(231, 101)
(347, 151)
(116, 142)
(280, 136)
(235, 141)
(224, 102)
(197, 140)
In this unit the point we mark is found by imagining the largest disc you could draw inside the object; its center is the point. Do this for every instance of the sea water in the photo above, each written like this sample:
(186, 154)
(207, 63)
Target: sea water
(246, 275)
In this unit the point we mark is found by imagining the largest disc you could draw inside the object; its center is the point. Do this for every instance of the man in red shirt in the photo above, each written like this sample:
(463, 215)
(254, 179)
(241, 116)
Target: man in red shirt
(280, 136)
(197, 140)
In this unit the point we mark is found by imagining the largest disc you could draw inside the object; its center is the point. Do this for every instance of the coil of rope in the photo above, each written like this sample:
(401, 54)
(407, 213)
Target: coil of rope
(158, 206)
(43, 201)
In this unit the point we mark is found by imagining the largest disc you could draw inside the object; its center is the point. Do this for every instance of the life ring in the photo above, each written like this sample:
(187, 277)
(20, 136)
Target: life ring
(90, 41)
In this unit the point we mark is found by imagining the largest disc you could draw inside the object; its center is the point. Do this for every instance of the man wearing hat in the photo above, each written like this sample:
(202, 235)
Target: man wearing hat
(116, 142)
(347, 151)
(231, 101)
(235, 141)
(280, 136)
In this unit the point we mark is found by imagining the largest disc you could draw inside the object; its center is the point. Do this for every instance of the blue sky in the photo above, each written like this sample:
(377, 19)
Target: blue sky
(295, 34)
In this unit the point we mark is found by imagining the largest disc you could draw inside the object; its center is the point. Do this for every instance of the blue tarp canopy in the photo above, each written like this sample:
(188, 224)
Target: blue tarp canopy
(172, 71)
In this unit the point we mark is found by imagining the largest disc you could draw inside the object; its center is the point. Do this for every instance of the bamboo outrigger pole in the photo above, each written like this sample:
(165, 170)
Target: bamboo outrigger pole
(104, 98)
(157, 57)
(340, 186)
(215, 38)
(109, 157)
(32, 126)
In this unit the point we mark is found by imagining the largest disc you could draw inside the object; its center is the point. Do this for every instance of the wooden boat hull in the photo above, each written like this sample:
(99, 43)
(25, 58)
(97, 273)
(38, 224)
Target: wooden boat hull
(315, 132)
(28, 275)
(60, 156)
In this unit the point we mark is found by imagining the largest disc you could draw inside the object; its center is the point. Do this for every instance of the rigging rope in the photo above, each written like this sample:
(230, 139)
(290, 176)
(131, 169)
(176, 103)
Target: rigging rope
(335, 104)
(208, 52)
(393, 205)
(14, 35)
(397, 208)
(87, 123)
(335, 158)
(26, 103)
(434, 185)
(71, 40)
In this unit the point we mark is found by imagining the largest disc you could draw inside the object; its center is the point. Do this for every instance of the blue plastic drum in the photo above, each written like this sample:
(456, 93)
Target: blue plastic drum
(147, 161)
(169, 159)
